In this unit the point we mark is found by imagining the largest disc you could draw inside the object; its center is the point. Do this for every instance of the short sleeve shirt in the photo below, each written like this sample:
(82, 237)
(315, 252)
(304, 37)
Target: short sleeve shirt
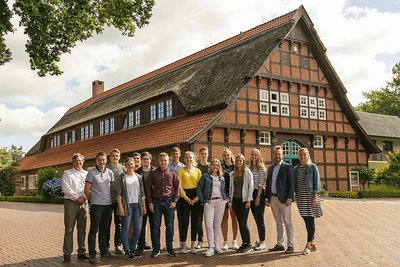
(100, 189)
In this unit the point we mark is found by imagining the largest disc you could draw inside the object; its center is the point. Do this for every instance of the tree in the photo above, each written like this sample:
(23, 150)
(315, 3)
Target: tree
(365, 175)
(55, 26)
(45, 174)
(385, 100)
(9, 159)
(7, 181)
(390, 174)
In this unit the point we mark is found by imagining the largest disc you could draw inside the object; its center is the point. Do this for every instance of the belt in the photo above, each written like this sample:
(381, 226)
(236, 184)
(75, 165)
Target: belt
(275, 195)
(214, 198)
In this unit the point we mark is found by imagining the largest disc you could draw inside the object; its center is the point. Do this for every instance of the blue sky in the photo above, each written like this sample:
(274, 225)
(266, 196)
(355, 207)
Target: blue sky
(360, 37)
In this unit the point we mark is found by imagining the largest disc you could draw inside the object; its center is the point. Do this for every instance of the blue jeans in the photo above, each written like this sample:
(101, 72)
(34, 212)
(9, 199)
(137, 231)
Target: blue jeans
(136, 219)
(161, 206)
(99, 222)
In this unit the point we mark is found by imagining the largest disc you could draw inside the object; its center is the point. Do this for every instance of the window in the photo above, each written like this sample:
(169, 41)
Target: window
(168, 105)
(87, 131)
(321, 103)
(111, 125)
(106, 126)
(66, 138)
(90, 130)
(286, 148)
(32, 181)
(83, 133)
(322, 114)
(284, 110)
(312, 101)
(265, 138)
(318, 141)
(264, 108)
(160, 110)
(274, 96)
(125, 120)
(285, 98)
(304, 112)
(285, 58)
(274, 109)
(303, 100)
(305, 62)
(23, 182)
(130, 119)
(263, 95)
(295, 149)
(73, 136)
(101, 127)
(313, 113)
(69, 137)
(153, 112)
(387, 145)
(55, 141)
(137, 117)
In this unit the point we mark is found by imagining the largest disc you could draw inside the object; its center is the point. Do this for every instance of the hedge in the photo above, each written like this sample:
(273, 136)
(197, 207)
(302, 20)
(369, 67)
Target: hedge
(378, 193)
(3, 198)
(344, 194)
(36, 199)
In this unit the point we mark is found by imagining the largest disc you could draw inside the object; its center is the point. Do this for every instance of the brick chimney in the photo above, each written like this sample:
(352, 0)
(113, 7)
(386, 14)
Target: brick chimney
(97, 88)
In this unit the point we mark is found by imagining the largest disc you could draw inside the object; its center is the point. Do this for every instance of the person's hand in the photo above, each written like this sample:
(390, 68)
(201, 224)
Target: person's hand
(144, 209)
(172, 205)
(314, 202)
(121, 212)
(247, 205)
(288, 202)
(257, 201)
(151, 207)
(267, 203)
(80, 200)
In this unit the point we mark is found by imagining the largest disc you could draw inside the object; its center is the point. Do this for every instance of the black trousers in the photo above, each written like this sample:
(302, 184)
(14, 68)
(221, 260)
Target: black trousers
(310, 226)
(118, 227)
(142, 237)
(242, 214)
(187, 211)
(258, 214)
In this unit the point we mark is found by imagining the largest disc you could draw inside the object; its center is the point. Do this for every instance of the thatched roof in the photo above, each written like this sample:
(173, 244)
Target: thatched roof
(380, 125)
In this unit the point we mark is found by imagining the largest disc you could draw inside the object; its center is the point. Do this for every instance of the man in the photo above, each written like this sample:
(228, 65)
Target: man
(97, 191)
(163, 191)
(137, 158)
(75, 208)
(203, 165)
(279, 196)
(117, 169)
(175, 164)
(144, 171)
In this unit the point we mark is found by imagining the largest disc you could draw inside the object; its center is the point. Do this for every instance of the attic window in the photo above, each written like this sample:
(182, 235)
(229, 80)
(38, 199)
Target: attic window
(168, 105)
(305, 62)
(285, 58)
(153, 112)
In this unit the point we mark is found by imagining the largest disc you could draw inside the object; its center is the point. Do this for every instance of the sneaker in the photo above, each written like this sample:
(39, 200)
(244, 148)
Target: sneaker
(184, 250)
(67, 258)
(209, 252)
(155, 254)
(260, 246)
(171, 252)
(147, 247)
(255, 244)
(129, 256)
(240, 249)
(118, 250)
(108, 255)
(137, 254)
(225, 246)
(164, 248)
(93, 260)
(218, 250)
(83, 256)
(139, 251)
(247, 249)
(235, 245)
(193, 251)
(199, 245)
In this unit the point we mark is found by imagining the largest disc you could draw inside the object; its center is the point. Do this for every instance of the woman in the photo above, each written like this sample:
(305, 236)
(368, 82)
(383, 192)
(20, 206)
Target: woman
(259, 172)
(307, 179)
(131, 206)
(228, 167)
(189, 205)
(240, 195)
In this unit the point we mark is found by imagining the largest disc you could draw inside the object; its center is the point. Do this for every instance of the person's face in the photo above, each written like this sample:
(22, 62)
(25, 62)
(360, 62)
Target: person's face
(215, 167)
(239, 163)
(130, 165)
(175, 156)
(203, 155)
(101, 162)
(189, 159)
(163, 162)
(226, 157)
(254, 157)
(278, 155)
(146, 161)
(115, 157)
(78, 163)
(303, 157)
(137, 161)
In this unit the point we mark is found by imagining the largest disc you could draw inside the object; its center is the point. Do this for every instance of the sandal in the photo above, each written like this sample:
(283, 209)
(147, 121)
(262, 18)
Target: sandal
(306, 250)
(313, 246)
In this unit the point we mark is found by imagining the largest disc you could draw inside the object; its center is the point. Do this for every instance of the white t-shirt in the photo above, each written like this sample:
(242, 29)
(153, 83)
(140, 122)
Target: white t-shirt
(216, 191)
(133, 188)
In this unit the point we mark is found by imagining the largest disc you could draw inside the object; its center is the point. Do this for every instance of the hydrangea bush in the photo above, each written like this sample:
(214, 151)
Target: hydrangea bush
(52, 188)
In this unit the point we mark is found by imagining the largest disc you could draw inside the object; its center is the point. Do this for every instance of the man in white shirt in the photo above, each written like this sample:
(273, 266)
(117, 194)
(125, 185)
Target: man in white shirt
(75, 208)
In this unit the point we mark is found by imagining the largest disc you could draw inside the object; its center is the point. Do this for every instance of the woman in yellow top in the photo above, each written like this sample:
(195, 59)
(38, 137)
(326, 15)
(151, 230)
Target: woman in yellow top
(189, 204)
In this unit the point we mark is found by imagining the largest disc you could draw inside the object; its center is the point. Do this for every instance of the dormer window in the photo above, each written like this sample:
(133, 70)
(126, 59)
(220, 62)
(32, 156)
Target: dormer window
(168, 105)
(153, 112)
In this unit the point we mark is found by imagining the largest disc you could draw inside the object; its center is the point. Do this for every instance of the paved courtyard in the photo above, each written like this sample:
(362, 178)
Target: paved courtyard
(351, 233)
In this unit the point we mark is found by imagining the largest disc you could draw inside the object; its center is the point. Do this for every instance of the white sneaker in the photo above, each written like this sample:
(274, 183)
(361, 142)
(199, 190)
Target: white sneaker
(164, 248)
(218, 250)
(235, 245)
(260, 246)
(225, 246)
(210, 252)
(184, 250)
(193, 250)
(199, 245)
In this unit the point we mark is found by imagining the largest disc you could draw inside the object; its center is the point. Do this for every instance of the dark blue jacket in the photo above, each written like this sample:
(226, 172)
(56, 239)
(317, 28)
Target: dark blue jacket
(205, 187)
(285, 183)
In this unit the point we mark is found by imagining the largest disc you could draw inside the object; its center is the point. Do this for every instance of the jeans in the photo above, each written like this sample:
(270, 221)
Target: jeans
(162, 206)
(136, 219)
(117, 224)
(99, 222)
(310, 226)
(242, 214)
(258, 214)
(213, 212)
(142, 237)
(74, 214)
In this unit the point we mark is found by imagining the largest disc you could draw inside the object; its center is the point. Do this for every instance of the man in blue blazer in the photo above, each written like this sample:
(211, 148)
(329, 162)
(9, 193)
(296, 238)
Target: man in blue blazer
(279, 196)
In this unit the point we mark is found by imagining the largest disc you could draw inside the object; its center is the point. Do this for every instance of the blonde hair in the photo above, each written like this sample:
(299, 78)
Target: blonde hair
(219, 173)
(307, 153)
(260, 161)
(163, 154)
(194, 157)
(227, 150)
(237, 172)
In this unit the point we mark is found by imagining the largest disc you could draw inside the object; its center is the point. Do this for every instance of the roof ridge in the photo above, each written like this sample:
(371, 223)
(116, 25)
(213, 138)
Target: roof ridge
(234, 40)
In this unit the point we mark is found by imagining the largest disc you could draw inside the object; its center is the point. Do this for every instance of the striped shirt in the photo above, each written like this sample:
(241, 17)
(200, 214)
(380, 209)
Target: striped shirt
(259, 177)
(304, 199)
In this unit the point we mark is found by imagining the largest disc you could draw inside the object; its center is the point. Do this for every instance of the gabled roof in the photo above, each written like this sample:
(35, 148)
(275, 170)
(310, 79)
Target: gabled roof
(380, 125)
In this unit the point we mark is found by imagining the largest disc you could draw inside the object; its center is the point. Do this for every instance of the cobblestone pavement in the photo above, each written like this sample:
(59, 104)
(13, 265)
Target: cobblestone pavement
(351, 233)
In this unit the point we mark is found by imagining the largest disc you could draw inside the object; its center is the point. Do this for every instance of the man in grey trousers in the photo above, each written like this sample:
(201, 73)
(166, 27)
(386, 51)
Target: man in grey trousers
(75, 207)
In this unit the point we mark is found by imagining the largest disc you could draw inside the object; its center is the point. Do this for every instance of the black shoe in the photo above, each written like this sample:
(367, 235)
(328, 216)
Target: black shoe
(92, 260)
(83, 256)
(289, 250)
(241, 248)
(277, 248)
(155, 254)
(67, 258)
(171, 252)
(129, 256)
(137, 254)
(247, 249)
(118, 250)
(139, 250)
(108, 255)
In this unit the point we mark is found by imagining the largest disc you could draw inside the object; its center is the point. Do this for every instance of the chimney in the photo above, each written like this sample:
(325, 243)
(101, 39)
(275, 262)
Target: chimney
(97, 88)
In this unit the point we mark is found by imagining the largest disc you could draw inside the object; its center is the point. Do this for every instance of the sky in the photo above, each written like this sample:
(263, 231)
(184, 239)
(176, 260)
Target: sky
(360, 37)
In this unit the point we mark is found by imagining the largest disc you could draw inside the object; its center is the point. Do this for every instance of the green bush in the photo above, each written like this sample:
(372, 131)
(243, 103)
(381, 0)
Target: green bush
(38, 199)
(3, 198)
(45, 174)
(378, 193)
(7, 181)
(344, 194)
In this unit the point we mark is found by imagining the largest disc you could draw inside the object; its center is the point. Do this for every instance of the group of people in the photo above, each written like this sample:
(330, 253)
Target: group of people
(137, 192)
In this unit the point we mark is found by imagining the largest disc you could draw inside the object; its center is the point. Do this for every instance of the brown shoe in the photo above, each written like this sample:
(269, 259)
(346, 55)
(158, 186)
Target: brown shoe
(313, 246)
(289, 250)
(277, 248)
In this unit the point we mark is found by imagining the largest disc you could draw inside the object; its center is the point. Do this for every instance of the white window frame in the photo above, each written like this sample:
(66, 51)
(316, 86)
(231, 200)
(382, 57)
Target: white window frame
(284, 98)
(301, 112)
(112, 125)
(130, 119)
(315, 116)
(277, 109)
(83, 133)
(321, 103)
(264, 108)
(312, 101)
(101, 126)
(264, 95)
(137, 117)
(305, 102)
(160, 112)
(90, 131)
(32, 181)
(283, 112)
(66, 138)
(265, 138)
(73, 136)
(319, 141)
(168, 107)
(153, 112)
(23, 182)
(106, 126)
(276, 94)
(322, 114)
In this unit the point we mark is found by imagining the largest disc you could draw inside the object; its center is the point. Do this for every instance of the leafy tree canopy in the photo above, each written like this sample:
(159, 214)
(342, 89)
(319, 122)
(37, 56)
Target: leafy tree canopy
(385, 100)
(390, 174)
(10, 156)
(54, 27)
